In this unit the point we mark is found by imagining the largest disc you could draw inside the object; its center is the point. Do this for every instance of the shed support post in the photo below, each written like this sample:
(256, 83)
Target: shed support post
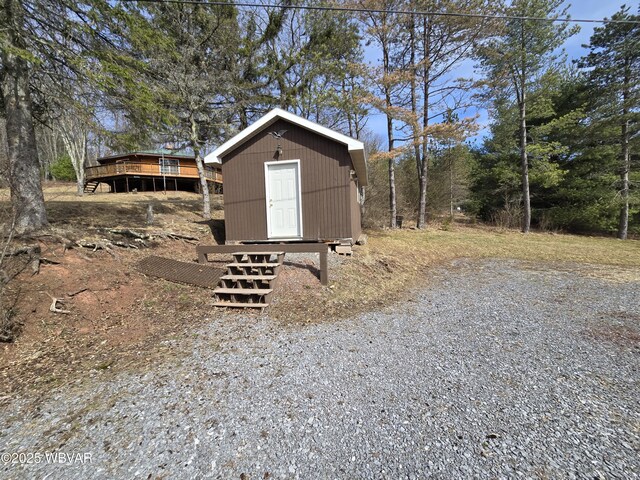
(126, 178)
(324, 271)
(154, 185)
(114, 187)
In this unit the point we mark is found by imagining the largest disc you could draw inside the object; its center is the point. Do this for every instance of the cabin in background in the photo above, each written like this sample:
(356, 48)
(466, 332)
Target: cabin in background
(150, 171)
(290, 179)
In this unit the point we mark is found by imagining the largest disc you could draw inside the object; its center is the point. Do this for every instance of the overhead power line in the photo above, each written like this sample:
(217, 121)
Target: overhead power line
(395, 12)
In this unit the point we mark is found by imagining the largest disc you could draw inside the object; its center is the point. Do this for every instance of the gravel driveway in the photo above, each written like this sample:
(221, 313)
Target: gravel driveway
(498, 369)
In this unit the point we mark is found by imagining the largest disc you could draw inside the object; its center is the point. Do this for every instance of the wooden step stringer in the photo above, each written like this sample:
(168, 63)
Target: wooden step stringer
(249, 281)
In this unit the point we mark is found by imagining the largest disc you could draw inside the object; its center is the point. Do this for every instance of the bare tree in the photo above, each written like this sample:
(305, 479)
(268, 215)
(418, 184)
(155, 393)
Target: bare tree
(74, 133)
(49, 148)
(437, 45)
(385, 29)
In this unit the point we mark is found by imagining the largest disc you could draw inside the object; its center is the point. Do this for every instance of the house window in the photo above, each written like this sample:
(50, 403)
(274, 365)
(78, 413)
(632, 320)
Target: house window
(169, 166)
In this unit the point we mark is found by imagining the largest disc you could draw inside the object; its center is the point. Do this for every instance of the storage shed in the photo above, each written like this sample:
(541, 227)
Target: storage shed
(289, 179)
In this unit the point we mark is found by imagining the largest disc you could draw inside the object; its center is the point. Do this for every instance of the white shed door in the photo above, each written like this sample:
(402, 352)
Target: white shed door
(283, 200)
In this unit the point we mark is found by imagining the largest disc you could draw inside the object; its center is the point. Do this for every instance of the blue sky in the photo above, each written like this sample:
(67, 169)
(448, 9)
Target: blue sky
(578, 9)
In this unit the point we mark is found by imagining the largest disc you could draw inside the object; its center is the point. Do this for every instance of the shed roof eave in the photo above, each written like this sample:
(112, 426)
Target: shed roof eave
(359, 160)
(355, 147)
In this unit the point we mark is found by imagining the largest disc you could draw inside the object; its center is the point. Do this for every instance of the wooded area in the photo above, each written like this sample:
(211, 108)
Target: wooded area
(84, 78)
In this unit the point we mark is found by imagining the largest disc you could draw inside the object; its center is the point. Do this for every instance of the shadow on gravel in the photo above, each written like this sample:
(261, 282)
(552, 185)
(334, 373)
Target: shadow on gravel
(304, 266)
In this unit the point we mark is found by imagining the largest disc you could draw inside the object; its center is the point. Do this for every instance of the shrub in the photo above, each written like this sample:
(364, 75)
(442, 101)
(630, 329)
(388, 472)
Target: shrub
(62, 169)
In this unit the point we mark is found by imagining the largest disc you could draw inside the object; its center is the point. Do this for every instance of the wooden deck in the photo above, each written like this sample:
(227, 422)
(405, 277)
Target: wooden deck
(148, 170)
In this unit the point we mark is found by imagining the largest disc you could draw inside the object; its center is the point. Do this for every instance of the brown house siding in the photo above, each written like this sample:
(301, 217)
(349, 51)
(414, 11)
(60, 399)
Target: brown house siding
(145, 159)
(325, 168)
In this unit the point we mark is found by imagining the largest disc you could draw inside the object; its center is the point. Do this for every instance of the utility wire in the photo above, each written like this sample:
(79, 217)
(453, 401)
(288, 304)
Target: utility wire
(398, 12)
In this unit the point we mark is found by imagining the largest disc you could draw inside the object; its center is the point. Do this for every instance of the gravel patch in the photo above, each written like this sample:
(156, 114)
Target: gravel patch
(494, 370)
(313, 259)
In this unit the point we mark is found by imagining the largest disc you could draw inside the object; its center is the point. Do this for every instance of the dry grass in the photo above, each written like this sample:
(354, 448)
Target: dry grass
(393, 263)
(77, 215)
(123, 317)
(484, 242)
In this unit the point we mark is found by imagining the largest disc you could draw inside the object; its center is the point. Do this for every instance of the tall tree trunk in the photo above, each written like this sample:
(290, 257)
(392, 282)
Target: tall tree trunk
(450, 183)
(623, 224)
(422, 185)
(521, 82)
(204, 186)
(27, 199)
(53, 155)
(74, 138)
(80, 180)
(244, 121)
(48, 151)
(284, 93)
(422, 182)
(345, 94)
(524, 166)
(423, 166)
(417, 134)
(393, 211)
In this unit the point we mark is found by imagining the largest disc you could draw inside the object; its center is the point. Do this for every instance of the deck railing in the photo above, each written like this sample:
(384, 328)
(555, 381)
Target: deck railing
(146, 169)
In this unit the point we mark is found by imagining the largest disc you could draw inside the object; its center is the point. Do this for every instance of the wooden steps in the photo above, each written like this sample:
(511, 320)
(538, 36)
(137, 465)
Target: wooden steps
(253, 265)
(248, 277)
(240, 305)
(244, 291)
(249, 281)
(91, 186)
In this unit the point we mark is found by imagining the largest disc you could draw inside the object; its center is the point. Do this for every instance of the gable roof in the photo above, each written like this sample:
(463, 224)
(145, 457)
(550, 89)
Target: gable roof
(355, 147)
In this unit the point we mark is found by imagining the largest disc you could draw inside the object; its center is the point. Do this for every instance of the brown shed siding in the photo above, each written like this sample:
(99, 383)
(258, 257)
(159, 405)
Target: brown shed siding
(325, 168)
